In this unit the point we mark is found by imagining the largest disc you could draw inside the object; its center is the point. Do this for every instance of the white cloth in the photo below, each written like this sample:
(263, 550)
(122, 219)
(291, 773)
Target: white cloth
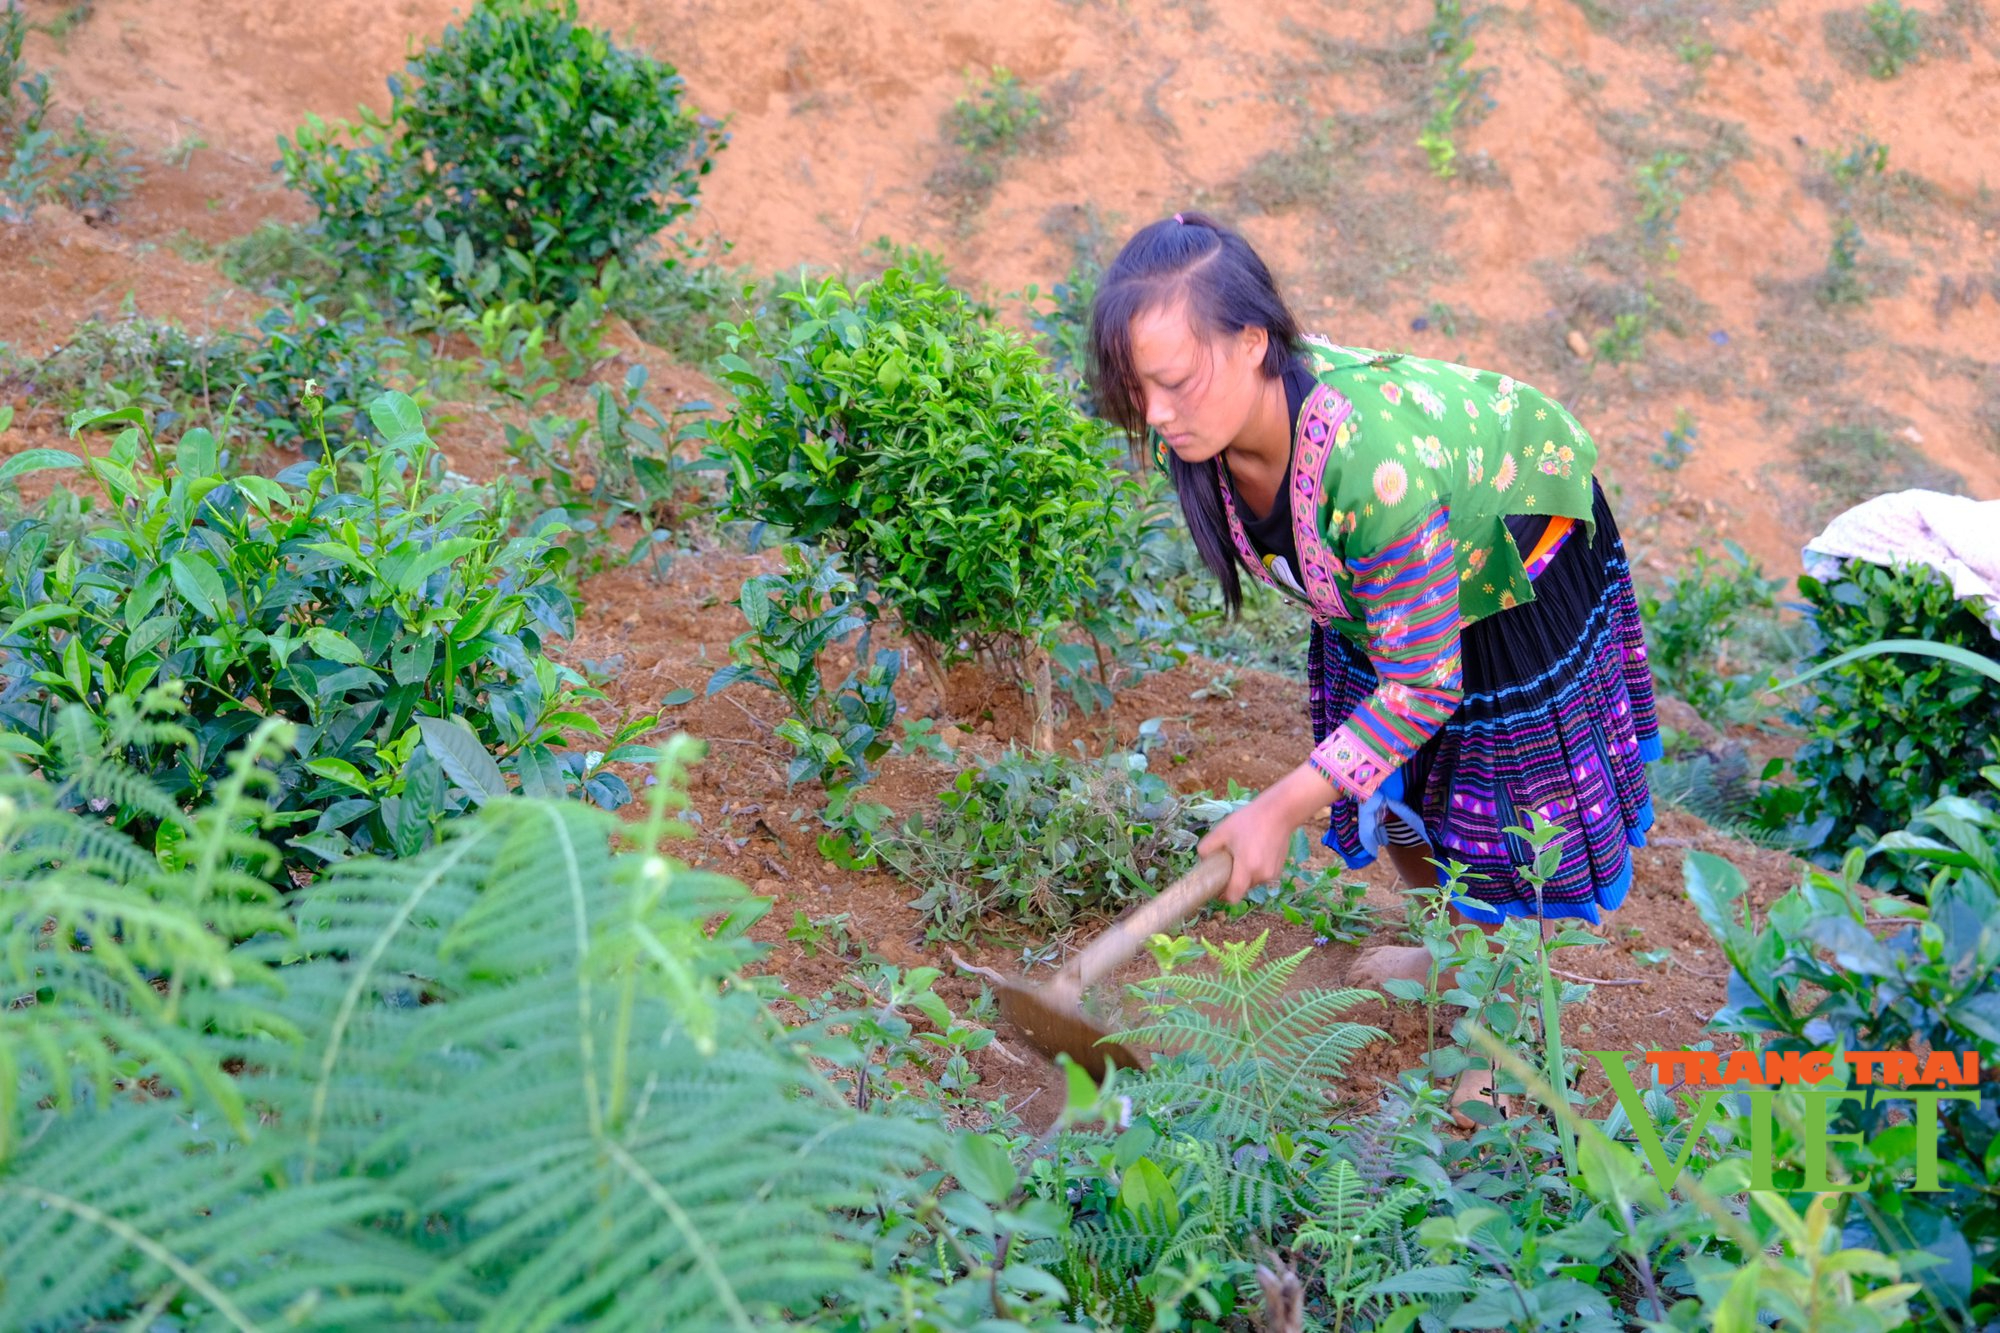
(1956, 536)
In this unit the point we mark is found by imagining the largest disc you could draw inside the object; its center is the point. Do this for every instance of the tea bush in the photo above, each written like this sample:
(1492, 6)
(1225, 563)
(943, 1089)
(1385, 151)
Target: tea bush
(1816, 975)
(392, 618)
(1887, 735)
(247, 389)
(78, 167)
(1698, 626)
(929, 446)
(522, 153)
(619, 462)
(796, 618)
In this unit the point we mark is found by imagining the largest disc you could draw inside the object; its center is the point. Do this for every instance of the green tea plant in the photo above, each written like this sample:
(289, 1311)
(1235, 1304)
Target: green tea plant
(1816, 974)
(1888, 734)
(881, 1022)
(1899, 36)
(796, 617)
(1679, 440)
(998, 114)
(1625, 340)
(997, 117)
(1042, 840)
(619, 464)
(1864, 160)
(80, 168)
(1843, 283)
(521, 154)
(392, 617)
(1456, 87)
(932, 449)
(1695, 625)
(1660, 200)
(594, 1119)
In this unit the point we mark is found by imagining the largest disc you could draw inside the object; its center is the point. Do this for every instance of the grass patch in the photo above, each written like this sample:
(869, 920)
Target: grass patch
(1301, 174)
(1879, 40)
(1847, 462)
(1857, 177)
(999, 117)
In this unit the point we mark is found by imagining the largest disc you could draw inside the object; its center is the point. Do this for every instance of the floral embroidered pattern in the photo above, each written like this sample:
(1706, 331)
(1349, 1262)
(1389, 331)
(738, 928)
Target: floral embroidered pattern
(1393, 392)
(1475, 466)
(1321, 422)
(1427, 398)
(1392, 483)
(1556, 462)
(1429, 452)
(1503, 478)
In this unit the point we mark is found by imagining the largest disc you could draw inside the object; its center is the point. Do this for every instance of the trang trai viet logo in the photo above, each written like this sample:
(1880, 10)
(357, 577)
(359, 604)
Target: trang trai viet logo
(1918, 1083)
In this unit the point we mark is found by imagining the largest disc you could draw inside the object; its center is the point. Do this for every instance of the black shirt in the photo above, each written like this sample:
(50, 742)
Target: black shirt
(1271, 536)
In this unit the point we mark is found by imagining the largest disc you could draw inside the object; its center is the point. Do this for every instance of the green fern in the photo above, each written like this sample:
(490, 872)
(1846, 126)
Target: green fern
(1246, 1058)
(1350, 1219)
(118, 972)
(512, 1083)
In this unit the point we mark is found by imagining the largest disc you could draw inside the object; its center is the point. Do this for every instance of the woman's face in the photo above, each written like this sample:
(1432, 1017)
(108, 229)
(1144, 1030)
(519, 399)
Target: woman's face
(1200, 392)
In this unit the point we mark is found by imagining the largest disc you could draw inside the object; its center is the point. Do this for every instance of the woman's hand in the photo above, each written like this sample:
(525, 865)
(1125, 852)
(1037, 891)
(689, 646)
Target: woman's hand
(1259, 836)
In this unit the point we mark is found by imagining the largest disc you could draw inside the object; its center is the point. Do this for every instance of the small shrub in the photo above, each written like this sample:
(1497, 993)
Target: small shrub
(1625, 340)
(1042, 841)
(619, 462)
(393, 619)
(1889, 734)
(1696, 625)
(81, 169)
(998, 115)
(1812, 973)
(1679, 440)
(1452, 95)
(1843, 283)
(796, 618)
(1660, 200)
(1863, 160)
(1899, 36)
(934, 450)
(996, 118)
(522, 153)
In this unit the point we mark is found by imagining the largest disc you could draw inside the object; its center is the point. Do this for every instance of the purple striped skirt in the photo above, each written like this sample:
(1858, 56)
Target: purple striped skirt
(1557, 717)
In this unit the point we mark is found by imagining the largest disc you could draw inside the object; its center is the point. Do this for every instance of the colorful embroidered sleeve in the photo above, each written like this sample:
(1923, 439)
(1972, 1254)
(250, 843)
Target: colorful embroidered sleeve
(1408, 593)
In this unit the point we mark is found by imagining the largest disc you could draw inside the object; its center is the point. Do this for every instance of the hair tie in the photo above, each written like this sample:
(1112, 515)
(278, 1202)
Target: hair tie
(1178, 218)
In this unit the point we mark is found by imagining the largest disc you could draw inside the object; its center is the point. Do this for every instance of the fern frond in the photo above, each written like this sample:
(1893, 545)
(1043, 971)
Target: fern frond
(103, 1209)
(1246, 1058)
(513, 1082)
(121, 958)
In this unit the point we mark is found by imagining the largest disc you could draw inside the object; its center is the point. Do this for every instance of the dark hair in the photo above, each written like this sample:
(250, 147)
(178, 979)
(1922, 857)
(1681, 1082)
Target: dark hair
(1228, 289)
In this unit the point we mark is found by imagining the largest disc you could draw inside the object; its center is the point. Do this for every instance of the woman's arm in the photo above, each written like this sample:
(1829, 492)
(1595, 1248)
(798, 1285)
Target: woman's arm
(1408, 590)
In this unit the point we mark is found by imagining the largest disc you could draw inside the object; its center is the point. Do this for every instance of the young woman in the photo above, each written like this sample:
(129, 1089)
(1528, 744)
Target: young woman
(1476, 652)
